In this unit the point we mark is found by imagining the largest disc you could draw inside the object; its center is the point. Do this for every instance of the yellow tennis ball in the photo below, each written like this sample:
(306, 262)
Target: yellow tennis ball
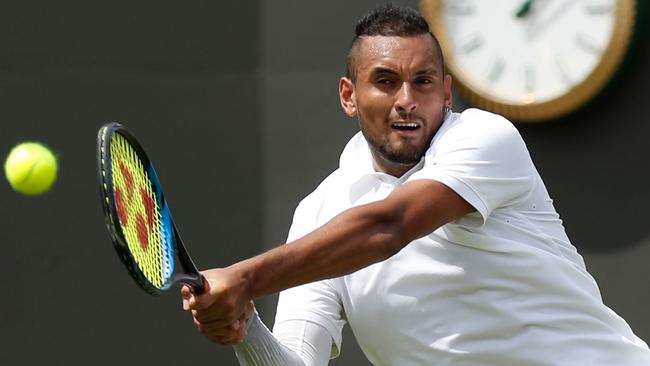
(31, 168)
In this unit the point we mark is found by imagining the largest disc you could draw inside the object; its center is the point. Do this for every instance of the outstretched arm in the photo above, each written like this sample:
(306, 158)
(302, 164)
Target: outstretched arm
(352, 240)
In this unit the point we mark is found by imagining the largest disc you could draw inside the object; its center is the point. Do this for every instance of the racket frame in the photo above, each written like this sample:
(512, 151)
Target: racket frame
(188, 273)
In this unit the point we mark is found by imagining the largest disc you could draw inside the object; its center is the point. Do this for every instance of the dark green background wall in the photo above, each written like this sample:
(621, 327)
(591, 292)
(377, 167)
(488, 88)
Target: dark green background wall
(237, 104)
(183, 77)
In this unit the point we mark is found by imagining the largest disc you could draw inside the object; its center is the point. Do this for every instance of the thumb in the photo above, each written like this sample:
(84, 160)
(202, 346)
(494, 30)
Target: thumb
(186, 295)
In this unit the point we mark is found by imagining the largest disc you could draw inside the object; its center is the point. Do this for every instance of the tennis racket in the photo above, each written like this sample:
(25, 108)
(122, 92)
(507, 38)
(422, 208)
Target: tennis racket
(137, 215)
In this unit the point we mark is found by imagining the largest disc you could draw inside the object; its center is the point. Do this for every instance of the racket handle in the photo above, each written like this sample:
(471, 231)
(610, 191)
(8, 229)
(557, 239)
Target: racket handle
(196, 283)
(200, 285)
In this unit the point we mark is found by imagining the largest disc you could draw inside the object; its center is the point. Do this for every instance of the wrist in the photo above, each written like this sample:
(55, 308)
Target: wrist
(245, 278)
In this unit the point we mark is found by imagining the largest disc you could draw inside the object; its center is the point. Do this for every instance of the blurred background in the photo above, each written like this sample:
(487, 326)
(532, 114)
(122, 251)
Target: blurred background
(237, 104)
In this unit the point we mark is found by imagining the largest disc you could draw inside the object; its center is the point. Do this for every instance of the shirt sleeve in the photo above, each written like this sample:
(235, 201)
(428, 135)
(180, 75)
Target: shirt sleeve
(482, 157)
(298, 343)
(317, 302)
(308, 321)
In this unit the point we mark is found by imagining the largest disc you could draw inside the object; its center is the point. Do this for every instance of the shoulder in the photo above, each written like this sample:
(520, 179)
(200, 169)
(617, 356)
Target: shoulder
(482, 116)
(475, 128)
(482, 157)
(481, 123)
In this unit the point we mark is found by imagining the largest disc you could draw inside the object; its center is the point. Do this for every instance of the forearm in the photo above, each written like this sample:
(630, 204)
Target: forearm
(352, 240)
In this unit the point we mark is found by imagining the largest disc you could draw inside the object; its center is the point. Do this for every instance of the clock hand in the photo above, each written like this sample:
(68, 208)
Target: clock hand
(539, 26)
(525, 8)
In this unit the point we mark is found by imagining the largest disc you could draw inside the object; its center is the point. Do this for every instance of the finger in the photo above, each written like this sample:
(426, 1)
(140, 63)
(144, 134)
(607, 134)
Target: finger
(214, 322)
(250, 307)
(244, 320)
(215, 314)
(211, 329)
(203, 300)
(186, 294)
(235, 325)
(246, 316)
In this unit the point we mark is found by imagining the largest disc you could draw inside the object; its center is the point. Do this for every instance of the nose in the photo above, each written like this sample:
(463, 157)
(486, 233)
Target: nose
(404, 99)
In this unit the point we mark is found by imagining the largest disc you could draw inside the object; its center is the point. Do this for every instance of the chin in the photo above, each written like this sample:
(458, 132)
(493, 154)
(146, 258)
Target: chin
(404, 155)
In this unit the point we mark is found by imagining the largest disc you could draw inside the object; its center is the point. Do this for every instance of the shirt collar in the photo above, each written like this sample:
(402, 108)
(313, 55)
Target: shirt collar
(356, 160)
(357, 164)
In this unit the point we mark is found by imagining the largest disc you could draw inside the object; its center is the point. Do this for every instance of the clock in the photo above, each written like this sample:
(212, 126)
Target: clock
(532, 60)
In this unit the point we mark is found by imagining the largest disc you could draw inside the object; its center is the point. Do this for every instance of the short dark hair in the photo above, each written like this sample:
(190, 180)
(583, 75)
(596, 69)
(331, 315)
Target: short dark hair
(390, 20)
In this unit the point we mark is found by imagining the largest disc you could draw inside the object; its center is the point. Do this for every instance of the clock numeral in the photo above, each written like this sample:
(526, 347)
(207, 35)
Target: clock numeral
(598, 9)
(496, 70)
(470, 44)
(587, 43)
(529, 79)
(460, 8)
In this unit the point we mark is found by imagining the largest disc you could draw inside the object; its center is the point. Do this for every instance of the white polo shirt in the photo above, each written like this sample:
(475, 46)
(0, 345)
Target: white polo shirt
(502, 286)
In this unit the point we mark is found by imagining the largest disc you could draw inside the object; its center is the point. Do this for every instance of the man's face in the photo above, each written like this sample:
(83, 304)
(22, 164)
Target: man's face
(399, 97)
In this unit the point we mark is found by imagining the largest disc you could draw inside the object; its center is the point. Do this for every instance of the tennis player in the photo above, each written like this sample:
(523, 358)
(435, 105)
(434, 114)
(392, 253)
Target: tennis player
(435, 239)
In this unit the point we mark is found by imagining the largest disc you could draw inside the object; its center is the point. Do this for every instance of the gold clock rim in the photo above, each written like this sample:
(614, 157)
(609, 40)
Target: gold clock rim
(575, 98)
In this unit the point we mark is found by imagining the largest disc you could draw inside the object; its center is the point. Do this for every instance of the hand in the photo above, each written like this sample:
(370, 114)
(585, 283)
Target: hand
(229, 334)
(222, 311)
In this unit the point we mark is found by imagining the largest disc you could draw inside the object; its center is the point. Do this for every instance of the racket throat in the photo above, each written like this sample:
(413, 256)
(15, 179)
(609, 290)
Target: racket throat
(190, 274)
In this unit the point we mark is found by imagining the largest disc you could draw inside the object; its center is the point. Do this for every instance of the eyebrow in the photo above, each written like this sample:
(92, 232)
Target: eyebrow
(427, 72)
(386, 71)
(382, 70)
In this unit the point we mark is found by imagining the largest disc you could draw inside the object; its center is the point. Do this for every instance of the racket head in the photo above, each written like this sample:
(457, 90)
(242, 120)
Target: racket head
(137, 215)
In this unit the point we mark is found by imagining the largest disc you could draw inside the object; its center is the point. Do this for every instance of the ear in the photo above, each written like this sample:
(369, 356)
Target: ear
(449, 97)
(348, 96)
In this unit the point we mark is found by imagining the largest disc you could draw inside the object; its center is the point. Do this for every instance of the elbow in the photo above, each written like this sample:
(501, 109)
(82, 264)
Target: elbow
(391, 235)
(380, 227)
(396, 243)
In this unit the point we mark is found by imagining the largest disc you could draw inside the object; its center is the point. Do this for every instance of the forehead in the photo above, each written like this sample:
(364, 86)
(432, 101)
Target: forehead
(400, 53)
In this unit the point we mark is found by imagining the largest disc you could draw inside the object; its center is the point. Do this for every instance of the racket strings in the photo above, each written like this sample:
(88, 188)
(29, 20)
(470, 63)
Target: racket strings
(139, 213)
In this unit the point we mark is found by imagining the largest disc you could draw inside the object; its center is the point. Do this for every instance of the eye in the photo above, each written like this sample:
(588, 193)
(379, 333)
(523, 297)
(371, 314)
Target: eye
(423, 81)
(384, 81)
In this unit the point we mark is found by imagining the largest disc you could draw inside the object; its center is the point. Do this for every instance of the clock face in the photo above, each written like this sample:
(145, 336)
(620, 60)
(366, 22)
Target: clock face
(531, 59)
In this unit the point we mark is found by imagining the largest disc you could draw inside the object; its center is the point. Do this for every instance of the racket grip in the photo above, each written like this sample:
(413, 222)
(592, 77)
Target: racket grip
(199, 286)
(196, 283)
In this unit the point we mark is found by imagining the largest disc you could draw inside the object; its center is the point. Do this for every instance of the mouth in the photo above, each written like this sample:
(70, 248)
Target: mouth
(405, 126)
